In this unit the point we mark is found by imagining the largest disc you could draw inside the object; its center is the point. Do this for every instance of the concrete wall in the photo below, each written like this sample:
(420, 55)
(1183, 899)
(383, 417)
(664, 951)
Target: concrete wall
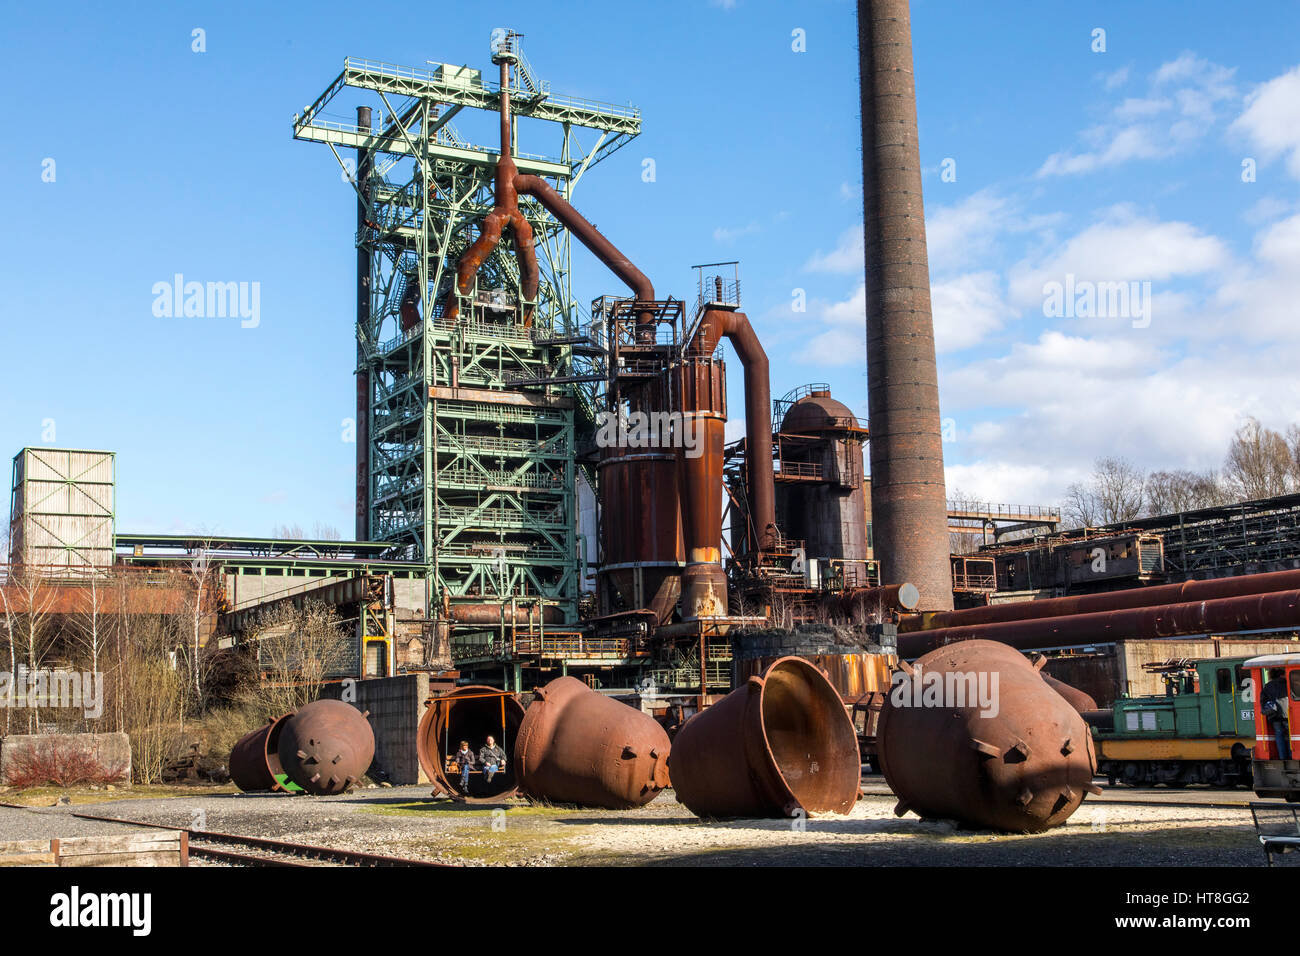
(1131, 655)
(110, 751)
(396, 705)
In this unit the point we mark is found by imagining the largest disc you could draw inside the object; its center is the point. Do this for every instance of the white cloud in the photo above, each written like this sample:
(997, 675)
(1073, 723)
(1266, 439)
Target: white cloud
(725, 234)
(1271, 121)
(1122, 247)
(843, 336)
(1182, 104)
(966, 309)
(1115, 78)
(847, 256)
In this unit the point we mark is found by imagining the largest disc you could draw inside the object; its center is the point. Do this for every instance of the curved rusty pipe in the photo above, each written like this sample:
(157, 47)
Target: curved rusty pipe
(505, 212)
(717, 324)
(600, 247)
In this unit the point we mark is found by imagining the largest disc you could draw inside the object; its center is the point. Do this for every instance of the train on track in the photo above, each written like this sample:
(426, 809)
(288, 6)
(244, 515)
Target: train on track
(1205, 728)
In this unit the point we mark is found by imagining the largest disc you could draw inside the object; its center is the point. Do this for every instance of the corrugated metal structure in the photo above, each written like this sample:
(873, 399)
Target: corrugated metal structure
(61, 509)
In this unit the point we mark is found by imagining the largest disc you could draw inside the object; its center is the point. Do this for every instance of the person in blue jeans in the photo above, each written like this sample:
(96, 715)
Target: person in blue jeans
(492, 758)
(1273, 704)
(464, 760)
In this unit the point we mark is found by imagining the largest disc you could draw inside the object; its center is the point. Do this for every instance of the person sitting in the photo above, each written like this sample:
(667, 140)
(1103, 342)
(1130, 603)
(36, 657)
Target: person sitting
(464, 761)
(492, 757)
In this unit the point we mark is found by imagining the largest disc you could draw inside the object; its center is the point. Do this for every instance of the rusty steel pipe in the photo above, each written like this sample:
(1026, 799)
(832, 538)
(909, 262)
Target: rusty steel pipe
(780, 745)
(889, 597)
(505, 213)
(715, 325)
(1247, 612)
(255, 759)
(595, 241)
(973, 733)
(577, 746)
(469, 713)
(524, 613)
(908, 498)
(1181, 593)
(698, 387)
(326, 747)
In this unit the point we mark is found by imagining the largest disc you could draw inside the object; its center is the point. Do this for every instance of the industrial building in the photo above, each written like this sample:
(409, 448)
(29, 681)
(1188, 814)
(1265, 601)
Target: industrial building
(513, 528)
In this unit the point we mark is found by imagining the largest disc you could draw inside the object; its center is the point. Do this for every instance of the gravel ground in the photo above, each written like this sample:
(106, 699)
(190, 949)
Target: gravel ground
(405, 821)
(47, 824)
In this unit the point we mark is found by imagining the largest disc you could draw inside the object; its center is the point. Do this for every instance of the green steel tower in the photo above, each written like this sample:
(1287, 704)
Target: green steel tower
(466, 425)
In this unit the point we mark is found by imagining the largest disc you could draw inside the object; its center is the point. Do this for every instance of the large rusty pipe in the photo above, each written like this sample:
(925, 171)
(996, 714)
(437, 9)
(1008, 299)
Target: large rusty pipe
(1181, 593)
(523, 613)
(578, 746)
(600, 247)
(698, 389)
(255, 758)
(470, 713)
(326, 747)
(908, 499)
(1247, 612)
(505, 212)
(780, 745)
(717, 324)
(972, 733)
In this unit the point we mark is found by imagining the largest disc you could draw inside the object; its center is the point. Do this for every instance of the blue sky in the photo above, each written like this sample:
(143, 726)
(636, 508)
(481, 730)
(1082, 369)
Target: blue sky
(1115, 166)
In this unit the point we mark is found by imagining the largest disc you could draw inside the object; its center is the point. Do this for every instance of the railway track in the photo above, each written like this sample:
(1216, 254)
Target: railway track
(239, 850)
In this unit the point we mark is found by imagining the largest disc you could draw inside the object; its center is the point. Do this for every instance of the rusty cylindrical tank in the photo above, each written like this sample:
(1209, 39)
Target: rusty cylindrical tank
(578, 746)
(640, 528)
(780, 745)
(908, 500)
(326, 747)
(470, 713)
(255, 760)
(972, 733)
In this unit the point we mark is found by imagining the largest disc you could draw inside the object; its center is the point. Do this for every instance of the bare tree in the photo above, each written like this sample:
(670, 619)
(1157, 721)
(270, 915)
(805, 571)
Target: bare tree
(28, 605)
(1080, 508)
(297, 650)
(203, 574)
(90, 625)
(964, 542)
(1259, 464)
(1171, 492)
(320, 531)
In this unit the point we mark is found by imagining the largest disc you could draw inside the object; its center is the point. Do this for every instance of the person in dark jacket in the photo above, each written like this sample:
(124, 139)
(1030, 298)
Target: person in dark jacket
(464, 760)
(492, 757)
(1273, 705)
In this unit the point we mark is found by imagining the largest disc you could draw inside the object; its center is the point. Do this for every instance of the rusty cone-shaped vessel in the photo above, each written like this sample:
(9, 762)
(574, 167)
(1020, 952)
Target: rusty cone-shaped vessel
(255, 758)
(578, 746)
(971, 732)
(470, 713)
(326, 747)
(781, 745)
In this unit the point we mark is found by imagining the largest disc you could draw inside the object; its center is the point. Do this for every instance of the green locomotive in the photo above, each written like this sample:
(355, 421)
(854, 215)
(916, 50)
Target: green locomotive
(1201, 730)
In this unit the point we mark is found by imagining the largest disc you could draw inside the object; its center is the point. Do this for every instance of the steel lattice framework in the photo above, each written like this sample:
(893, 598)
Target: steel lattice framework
(468, 470)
